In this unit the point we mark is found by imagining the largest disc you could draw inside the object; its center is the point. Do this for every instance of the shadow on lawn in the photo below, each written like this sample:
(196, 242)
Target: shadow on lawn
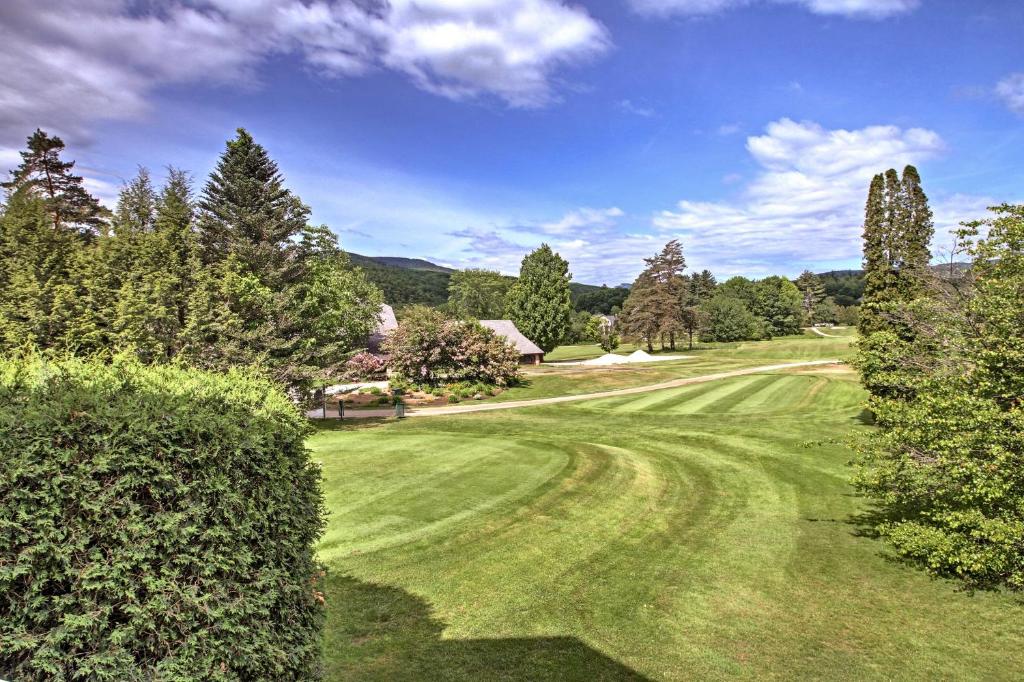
(376, 632)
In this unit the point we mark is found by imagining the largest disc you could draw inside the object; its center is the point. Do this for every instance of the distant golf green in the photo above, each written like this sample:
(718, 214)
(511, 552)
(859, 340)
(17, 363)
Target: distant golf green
(702, 532)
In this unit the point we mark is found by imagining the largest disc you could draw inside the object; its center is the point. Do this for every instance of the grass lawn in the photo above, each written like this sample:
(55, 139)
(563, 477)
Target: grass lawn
(700, 532)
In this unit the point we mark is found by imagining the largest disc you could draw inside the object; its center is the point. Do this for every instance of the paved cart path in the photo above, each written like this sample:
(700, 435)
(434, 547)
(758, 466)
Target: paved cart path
(513, 404)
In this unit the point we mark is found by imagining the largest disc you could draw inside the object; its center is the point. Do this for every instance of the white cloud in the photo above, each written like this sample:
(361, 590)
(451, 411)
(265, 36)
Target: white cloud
(588, 220)
(858, 9)
(630, 108)
(101, 59)
(805, 206)
(598, 251)
(1011, 91)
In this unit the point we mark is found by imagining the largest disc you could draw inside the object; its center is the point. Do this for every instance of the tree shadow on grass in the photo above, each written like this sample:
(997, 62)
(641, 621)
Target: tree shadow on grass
(376, 632)
(349, 424)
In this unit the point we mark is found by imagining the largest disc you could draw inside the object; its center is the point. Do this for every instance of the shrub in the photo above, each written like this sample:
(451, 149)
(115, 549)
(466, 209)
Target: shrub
(453, 399)
(365, 367)
(429, 347)
(155, 523)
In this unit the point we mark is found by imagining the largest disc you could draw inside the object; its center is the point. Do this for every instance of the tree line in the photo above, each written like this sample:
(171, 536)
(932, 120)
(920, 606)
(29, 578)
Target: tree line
(942, 357)
(236, 276)
(666, 304)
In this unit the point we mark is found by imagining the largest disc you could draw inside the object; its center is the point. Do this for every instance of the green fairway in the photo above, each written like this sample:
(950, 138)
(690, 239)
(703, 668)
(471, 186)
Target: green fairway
(699, 532)
(548, 381)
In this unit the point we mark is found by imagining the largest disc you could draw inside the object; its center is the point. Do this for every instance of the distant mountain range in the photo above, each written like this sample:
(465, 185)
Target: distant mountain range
(408, 281)
(399, 262)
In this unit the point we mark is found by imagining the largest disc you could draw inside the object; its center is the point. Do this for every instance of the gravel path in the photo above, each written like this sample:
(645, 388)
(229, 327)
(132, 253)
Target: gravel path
(827, 336)
(512, 404)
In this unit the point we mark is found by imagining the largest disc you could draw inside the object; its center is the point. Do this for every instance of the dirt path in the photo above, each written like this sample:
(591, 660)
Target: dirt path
(827, 336)
(512, 404)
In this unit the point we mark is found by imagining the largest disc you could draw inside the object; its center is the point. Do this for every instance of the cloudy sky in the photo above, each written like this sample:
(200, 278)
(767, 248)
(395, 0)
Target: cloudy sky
(470, 131)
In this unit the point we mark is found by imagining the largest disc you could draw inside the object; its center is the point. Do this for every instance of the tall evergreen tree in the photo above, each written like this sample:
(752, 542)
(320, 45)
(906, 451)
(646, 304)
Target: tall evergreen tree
(702, 286)
(642, 313)
(898, 230)
(157, 247)
(947, 463)
(274, 293)
(42, 173)
(246, 211)
(539, 303)
(35, 260)
(812, 292)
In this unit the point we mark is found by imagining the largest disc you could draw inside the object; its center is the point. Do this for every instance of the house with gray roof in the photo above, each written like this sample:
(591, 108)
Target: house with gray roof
(386, 322)
(529, 352)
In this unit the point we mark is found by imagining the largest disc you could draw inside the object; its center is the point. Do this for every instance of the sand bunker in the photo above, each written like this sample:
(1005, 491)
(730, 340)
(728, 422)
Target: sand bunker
(634, 357)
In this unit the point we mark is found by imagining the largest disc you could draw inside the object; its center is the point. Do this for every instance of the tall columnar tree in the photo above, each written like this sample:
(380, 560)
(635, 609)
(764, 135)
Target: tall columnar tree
(43, 173)
(898, 230)
(539, 303)
(947, 462)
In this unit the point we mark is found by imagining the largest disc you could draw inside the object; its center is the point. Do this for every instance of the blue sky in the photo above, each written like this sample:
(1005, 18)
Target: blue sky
(469, 131)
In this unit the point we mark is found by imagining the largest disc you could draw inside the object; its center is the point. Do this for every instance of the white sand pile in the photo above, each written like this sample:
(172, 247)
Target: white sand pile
(607, 359)
(613, 359)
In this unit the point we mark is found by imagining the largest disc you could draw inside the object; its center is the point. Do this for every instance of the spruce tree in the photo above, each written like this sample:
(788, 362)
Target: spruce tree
(274, 293)
(245, 211)
(539, 303)
(42, 173)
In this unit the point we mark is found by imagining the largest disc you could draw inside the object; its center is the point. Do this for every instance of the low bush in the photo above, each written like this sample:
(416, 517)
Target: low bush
(155, 523)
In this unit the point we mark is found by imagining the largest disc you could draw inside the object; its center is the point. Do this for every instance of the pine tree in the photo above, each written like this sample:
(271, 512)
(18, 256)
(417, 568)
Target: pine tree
(642, 313)
(812, 292)
(42, 173)
(36, 262)
(539, 303)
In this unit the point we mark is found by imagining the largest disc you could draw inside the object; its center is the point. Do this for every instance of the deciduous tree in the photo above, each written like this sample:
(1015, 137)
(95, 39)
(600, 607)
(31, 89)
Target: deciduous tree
(539, 302)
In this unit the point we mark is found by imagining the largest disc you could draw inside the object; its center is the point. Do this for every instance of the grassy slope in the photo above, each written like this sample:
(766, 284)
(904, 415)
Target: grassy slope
(681, 534)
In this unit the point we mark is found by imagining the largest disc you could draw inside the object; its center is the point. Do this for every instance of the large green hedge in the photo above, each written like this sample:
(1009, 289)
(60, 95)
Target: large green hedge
(155, 523)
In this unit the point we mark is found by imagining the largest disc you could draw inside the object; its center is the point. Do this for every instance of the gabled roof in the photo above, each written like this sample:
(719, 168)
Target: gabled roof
(507, 329)
(386, 320)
